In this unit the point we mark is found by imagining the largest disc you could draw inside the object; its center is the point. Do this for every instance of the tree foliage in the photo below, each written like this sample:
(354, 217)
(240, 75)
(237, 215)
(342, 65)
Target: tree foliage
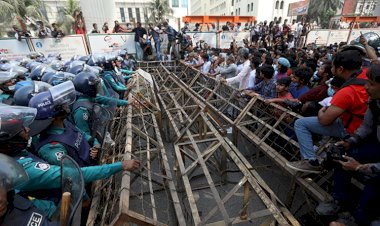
(26, 9)
(159, 11)
(321, 11)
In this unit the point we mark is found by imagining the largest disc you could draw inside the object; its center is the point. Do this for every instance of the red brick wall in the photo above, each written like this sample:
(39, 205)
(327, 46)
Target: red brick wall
(349, 7)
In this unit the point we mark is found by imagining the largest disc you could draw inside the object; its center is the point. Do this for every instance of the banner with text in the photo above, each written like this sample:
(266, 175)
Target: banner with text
(319, 37)
(101, 43)
(208, 37)
(225, 38)
(67, 46)
(13, 49)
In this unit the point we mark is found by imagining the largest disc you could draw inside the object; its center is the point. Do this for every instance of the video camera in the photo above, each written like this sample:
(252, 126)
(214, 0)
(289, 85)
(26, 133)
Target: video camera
(333, 153)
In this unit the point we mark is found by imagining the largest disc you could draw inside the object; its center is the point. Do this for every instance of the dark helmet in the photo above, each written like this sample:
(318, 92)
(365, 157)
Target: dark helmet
(39, 71)
(86, 83)
(6, 76)
(50, 104)
(32, 64)
(24, 94)
(84, 58)
(123, 53)
(56, 56)
(373, 40)
(12, 173)
(20, 71)
(47, 76)
(76, 69)
(57, 65)
(72, 64)
(13, 119)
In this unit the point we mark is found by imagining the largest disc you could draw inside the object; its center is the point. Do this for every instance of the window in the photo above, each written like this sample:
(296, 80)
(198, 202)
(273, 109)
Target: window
(275, 19)
(248, 7)
(232, 13)
(282, 5)
(138, 15)
(279, 19)
(130, 14)
(122, 15)
(232, 2)
(184, 3)
(175, 3)
(252, 6)
(367, 7)
(236, 12)
(239, 11)
(277, 2)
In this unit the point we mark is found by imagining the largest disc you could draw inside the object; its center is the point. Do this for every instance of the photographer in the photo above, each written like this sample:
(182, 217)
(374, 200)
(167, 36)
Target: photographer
(363, 147)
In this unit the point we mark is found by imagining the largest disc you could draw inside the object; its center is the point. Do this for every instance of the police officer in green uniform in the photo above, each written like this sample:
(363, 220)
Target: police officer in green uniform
(14, 208)
(110, 77)
(14, 136)
(57, 136)
(7, 86)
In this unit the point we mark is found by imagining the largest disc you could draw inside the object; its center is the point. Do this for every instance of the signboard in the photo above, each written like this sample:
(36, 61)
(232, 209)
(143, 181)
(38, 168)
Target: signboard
(356, 33)
(337, 36)
(225, 38)
(298, 8)
(13, 49)
(67, 46)
(102, 43)
(319, 37)
(207, 37)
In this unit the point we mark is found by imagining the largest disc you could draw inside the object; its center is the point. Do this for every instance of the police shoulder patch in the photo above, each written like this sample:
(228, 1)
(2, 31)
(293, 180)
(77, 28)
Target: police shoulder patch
(42, 166)
(35, 219)
(59, 155)
(85, 116)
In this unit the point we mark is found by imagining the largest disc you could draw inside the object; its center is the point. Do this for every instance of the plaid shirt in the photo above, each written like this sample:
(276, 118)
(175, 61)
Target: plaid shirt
(267, 89)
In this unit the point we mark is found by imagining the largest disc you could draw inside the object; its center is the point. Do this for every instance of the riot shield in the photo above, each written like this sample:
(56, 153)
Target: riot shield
(102, 117)
(72, 181)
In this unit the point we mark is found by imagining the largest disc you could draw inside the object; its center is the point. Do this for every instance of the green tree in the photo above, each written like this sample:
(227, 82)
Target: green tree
(159, 11)
(321, 11)
(10, 9)
(65, 19)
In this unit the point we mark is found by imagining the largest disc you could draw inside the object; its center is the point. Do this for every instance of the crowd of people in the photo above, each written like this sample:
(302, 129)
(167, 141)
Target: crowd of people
(47, 103)
(337, 90)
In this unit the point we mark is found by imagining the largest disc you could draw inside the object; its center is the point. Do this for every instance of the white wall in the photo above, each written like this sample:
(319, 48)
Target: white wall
(98, 11)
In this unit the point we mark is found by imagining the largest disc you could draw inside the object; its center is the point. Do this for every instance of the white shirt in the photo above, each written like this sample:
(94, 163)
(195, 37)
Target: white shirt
(242, 77)
(206, 67)
(252, 79)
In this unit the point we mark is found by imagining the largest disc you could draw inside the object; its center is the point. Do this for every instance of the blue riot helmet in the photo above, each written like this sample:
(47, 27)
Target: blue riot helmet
(76, 69)
(56, 56)
(47, 76)
(84, 58)
(23, 95)
(57, 65)
(13, 119)
(20, 71)
(31, 65)
(87, 83)
(21, 84)
(38, 72)
(123, 53)
(60, 77)
(51, 104)
(6, 77)
(73, 64)
(12, 174)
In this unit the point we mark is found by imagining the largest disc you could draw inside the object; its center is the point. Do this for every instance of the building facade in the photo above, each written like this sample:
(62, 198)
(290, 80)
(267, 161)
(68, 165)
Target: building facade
(125, 11)
(263, 10)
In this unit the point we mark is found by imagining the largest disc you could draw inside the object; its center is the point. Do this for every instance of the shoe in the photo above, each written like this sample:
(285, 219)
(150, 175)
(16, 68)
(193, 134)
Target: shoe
(328, 208)
(304, 166)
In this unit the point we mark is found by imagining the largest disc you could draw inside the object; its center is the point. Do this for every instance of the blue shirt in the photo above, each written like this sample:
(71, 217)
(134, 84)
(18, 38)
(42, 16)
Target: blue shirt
(296, 93)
